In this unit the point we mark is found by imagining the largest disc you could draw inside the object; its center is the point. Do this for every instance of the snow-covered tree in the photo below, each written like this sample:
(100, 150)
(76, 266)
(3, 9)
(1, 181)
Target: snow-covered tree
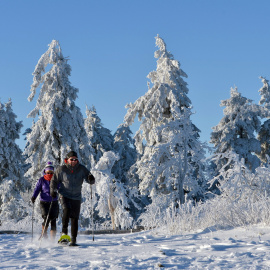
(123, 170)
(236, 130)
(124, 146)
(167, 140)
(264, 133)
(12, 205)
(265, 93)
(60, 124)
(237, 182)
(111, 192)
(100, 138)
(11, 160)
(12, 181)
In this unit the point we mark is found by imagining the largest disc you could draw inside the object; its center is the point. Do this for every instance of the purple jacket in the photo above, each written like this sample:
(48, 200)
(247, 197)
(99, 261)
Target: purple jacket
(43, 187)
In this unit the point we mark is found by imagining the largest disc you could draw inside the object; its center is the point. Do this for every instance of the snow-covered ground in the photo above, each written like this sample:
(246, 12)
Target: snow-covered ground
(241, 248)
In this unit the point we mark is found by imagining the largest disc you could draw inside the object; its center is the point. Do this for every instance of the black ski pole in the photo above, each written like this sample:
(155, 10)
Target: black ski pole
(46, 222)
(92, 213)
(33, 221)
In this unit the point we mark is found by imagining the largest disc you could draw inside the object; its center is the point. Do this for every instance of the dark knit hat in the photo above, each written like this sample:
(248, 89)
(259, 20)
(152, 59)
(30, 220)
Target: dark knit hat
(72, 154)
(48, 167)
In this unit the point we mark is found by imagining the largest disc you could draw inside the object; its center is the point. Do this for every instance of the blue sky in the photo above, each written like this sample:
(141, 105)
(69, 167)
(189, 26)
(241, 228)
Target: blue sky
(111, 45)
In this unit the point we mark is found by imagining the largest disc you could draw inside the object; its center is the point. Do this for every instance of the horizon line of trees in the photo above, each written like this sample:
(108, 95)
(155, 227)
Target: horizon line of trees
(163, 165)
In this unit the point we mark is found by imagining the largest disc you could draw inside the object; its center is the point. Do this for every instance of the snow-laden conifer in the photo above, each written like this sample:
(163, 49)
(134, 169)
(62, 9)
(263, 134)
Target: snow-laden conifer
(12, 181)
(167, 139)
(112, 194)
(264, 133)
(12, 205)
(236, 131)
(122, 169)
(60, 125)
(124, 146)
(100, 138)
(265, 93)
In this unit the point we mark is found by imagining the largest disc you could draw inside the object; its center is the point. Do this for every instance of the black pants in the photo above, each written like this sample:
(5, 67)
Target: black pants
(53, 215)
(71, 210)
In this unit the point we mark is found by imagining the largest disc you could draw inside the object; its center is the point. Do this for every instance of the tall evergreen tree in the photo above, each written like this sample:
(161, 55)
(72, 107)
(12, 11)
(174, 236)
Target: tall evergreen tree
(122, 169)
(60, 124)
(12, 181)
(124, 146)
(100, 137)
(265, 93)
(236, 130)
(166, 140)
(264, 133)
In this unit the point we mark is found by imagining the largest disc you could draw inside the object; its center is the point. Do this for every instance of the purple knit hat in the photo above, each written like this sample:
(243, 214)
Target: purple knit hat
(48, 167)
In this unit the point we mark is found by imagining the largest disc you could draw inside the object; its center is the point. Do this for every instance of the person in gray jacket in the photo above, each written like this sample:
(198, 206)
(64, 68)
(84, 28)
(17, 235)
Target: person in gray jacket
(69, 178)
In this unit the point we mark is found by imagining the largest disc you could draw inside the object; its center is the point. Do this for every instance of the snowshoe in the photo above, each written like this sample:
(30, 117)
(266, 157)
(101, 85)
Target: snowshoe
(64, 240)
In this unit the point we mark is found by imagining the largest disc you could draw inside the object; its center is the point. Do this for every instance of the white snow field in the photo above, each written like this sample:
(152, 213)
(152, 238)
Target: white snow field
(240, 248)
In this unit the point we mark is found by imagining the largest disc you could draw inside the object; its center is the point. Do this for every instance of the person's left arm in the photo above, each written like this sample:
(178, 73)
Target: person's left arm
(89, 177)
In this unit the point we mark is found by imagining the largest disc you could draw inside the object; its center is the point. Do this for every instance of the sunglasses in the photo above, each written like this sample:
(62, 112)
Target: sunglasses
(49, 172)
(73, 159)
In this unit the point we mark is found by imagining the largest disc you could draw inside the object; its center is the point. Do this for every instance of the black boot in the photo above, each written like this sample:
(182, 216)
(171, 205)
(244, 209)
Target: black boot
(73, 241)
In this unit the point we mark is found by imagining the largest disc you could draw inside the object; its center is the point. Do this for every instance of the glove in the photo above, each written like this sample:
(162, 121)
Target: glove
(33, 199)
(53, 194)
(91, 178)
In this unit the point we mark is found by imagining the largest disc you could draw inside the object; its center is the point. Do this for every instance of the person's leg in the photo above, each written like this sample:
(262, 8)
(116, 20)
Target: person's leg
(74, 229)
(65, 202)
(44, 207)
(44, 229)
(53, 229)
(75, 213)
(53, 217)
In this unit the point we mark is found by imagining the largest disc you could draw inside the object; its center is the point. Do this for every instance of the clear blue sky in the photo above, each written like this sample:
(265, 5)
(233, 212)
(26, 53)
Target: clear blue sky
(111, 45)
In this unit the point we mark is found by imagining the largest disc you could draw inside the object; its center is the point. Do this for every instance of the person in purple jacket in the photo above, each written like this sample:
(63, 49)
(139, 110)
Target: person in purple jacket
(43, 188)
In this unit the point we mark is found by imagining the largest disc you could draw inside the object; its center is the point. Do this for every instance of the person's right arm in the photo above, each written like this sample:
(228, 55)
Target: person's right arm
(36, 190)
(54, 184)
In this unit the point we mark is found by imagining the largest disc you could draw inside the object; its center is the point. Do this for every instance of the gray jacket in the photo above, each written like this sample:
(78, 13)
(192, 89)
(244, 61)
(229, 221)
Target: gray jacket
(70, 180)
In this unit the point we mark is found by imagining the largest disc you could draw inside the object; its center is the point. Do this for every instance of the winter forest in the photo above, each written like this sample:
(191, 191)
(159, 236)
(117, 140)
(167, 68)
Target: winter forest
(161, 176)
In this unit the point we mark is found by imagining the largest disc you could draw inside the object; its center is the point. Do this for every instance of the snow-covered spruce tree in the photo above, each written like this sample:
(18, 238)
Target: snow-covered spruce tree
(124, 146)
(236, 130)
(12, 181)
(60, 124)
(111, 192)
(100, 138)
(265, 93)
(171, 153)
(264, 133)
